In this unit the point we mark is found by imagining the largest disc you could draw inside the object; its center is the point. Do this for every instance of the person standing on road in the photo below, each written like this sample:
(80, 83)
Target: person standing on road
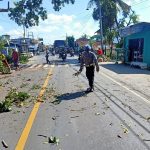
(15, 58)
(89, 59)
(47, 57)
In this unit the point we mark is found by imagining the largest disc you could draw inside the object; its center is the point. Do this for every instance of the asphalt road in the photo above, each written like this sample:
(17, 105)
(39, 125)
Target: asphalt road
(116, 116)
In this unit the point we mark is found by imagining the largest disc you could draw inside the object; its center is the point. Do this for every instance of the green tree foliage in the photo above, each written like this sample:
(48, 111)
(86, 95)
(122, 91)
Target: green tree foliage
(85, 36)
(70, 41)
(110, 9)
(116, 14)
(2, 43)
(28, 12)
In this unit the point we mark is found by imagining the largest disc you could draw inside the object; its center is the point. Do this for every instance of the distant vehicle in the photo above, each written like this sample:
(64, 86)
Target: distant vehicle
(30, 54)
(33, 49)
(59, 44)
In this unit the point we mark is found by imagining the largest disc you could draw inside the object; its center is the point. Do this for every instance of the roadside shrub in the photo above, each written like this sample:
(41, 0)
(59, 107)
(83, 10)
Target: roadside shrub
(23, 59)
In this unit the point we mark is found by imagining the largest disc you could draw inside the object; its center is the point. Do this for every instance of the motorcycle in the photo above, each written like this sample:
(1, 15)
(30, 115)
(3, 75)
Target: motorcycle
(64, 56)
(71, 54)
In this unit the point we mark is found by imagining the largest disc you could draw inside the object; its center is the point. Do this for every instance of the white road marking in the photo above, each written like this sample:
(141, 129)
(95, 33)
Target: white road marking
(144, 99)
(33, 66)
(66, 65)
(52, 66)
(39, 66)
(45, 66)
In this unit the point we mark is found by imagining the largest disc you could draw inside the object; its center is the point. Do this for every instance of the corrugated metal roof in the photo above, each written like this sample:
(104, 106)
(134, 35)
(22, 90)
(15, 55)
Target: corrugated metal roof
(136, 28)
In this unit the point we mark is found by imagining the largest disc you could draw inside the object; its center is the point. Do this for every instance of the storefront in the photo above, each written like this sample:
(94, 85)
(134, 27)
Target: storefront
(137, 43)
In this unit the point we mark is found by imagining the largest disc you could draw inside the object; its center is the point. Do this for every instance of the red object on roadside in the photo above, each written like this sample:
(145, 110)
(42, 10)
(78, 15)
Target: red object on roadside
(15, 55)
(100, 52)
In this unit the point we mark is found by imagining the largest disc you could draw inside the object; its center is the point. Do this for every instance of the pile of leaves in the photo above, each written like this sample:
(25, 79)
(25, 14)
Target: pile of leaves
(53, 140)
(13, 97)
(5, 106)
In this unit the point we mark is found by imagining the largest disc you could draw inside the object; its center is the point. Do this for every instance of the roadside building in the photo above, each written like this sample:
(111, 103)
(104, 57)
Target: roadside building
(137, 44)
(22, 43)
(82, 41)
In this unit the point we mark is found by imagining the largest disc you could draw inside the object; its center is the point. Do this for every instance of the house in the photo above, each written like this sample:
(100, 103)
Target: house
(82, 41)
(22, 43)
(137, 44)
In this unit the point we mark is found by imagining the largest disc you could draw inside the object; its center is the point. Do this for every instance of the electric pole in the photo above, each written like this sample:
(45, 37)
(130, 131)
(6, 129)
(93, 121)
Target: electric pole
(100, 23)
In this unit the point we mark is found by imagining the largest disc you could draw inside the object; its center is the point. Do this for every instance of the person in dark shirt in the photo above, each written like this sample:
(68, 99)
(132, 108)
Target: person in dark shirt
(47, 57)
(89, 60)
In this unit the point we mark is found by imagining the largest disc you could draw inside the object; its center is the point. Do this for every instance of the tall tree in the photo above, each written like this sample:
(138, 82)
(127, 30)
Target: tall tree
(111, 21)
(28, 12)
(110, 9)
(70, 41)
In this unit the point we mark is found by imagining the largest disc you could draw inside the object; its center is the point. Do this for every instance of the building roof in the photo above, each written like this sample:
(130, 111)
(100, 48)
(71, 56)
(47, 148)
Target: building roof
(136, 28)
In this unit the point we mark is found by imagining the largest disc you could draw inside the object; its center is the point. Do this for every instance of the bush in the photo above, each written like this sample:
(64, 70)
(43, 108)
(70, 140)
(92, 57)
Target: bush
(23, 59)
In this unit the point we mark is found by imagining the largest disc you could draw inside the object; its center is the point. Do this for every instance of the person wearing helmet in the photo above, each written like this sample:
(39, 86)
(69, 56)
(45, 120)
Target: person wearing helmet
(89, 59)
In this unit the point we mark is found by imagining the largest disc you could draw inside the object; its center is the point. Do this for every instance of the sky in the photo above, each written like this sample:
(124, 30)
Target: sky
(70, 20)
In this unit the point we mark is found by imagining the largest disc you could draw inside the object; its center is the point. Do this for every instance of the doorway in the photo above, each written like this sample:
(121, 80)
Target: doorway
(136, 49)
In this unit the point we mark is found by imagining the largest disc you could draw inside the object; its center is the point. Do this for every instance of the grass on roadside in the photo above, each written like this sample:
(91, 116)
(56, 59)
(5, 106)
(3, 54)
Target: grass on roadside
(24, 59)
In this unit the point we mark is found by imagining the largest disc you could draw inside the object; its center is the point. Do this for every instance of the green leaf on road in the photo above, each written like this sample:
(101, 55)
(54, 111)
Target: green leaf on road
(13, 97)
(53, 140)
(5, 106)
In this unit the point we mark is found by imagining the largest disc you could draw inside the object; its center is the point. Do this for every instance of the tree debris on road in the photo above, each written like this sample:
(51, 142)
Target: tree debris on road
(53, 140)
(4, 144)
(13, 97)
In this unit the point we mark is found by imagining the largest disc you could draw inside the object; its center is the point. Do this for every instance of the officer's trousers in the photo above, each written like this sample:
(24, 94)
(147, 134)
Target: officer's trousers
(90, 75)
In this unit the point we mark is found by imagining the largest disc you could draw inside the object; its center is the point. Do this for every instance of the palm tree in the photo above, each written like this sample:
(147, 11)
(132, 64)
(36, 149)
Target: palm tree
(109, 12)
(110, 9)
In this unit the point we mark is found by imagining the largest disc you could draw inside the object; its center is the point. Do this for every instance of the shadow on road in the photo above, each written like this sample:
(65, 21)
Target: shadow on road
(124, 69)
(71, 96)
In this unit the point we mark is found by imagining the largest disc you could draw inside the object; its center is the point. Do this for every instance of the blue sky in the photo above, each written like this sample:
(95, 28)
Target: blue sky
(71, 20)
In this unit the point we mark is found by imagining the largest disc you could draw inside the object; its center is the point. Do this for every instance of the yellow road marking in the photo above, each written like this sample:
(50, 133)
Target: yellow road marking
(24, 136)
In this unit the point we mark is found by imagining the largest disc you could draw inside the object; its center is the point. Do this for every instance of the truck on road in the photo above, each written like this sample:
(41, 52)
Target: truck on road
(58, 45)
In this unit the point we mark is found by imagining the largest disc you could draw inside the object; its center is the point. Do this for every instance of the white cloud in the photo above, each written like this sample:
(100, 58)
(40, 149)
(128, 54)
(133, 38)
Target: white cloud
(15, 33)
(1, 29)
(57, 26)
(58, 19)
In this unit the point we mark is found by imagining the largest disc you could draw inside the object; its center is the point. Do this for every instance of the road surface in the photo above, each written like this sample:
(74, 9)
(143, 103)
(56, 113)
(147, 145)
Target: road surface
(116, 116)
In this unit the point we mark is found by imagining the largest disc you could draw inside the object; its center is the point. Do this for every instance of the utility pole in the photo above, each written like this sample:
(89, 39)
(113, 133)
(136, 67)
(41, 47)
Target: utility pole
(100, 23)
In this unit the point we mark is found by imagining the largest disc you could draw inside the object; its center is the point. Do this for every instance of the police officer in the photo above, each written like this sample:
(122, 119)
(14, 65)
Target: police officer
(89, 59)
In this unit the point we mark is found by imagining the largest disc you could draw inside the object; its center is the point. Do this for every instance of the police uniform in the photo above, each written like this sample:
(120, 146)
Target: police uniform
(89, 60)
